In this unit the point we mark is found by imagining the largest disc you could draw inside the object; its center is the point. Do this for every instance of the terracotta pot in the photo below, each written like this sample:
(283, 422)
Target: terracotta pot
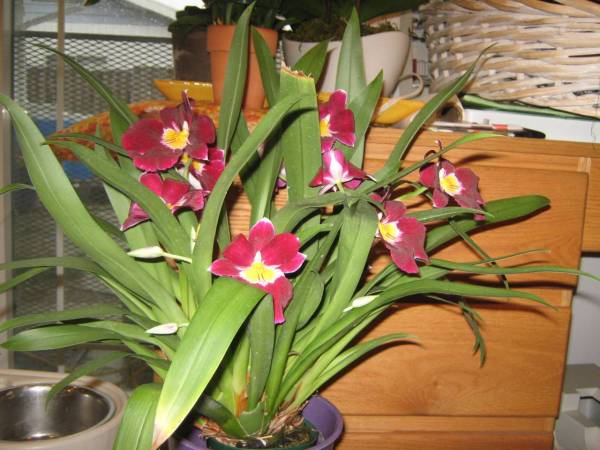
(218, 43)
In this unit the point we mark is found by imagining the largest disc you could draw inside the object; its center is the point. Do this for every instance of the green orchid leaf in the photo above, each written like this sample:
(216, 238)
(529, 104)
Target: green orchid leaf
(68, 262)
(351, 68)
(501, 211)
(135, 332)
(84, 369)
(21, 278)
(498, 270)
(261, 332)
(209, 407)
(203, 250)
(311, 297)
(355, 353)
(15, 187)
(104, 144)
(235, 81)
(363, 107)
(61, 316)
(56, 336)
(394, 161)
(330, 335)
(135, 432)
(313, 61)
(170, 231)
(288, 217)
(293, 313)
(301, 137)
(207, 338)
(60, 199)
(354, 246)
(119, 107)
(268, 69)
(395, 177)
(435, 214)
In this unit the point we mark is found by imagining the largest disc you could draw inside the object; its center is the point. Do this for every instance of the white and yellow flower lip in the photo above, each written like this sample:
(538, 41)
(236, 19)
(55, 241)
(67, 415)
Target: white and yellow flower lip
(389, 231)
(176, 138)
(449, 183)
(260, 273)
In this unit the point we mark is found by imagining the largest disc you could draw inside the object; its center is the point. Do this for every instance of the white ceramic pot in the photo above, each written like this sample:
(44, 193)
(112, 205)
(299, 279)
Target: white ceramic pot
(386, 51)
(100, 437)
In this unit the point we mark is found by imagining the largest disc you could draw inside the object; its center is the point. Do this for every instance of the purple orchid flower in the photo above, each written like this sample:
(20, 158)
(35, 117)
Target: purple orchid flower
(336, 122)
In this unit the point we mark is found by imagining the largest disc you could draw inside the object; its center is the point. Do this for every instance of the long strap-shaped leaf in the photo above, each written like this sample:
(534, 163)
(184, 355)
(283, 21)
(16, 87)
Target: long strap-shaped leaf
(203, 250)
(351, 69)
(55, 336)
(501, 211)
(235, 81)
(171, 233)
(300, 139)
(356, 240)
(395, 159)
(59, 316)
(313, 61)
(60, 199)
(353, 317)
(114, 103)
(209, 335)
(135, 432)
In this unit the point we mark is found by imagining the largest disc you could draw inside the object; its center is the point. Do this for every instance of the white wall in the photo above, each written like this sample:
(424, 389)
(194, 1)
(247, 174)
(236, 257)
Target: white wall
(584, 342)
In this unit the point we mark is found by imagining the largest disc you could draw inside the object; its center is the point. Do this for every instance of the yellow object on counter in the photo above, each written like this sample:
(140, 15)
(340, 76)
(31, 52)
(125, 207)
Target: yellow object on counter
(389, 110)
(198, 90)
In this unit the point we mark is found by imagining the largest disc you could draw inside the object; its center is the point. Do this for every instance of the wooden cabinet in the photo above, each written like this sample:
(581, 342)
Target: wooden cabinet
(433, 394)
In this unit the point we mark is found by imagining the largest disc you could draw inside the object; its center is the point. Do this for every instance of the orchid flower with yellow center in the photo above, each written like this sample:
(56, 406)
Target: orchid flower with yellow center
(447, 181)
(403, 236)
(336, 122)
(337, 173)
(156, 145)
(176, 195)
(262, 260)
(203, 174)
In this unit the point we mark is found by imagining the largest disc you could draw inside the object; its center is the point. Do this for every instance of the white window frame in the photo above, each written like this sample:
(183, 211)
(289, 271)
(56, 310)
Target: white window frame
(5, 166)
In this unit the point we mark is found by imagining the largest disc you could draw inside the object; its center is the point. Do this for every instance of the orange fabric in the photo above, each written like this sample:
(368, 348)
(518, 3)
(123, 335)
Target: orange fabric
(150, 108)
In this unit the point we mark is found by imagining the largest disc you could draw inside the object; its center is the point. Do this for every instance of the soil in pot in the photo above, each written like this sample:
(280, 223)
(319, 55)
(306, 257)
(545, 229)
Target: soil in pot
(300, 438)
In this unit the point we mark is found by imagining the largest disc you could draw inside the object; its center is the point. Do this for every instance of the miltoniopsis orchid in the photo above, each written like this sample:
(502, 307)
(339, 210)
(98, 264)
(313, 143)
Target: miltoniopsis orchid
(175, 194)
(447, 181)
(203, 174)
(262, 260)
(337, 173)
(403, 236)
(336, 122)
(159, 144)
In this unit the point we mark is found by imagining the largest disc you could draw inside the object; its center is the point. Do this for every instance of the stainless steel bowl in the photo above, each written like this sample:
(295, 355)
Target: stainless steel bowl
(25, 417)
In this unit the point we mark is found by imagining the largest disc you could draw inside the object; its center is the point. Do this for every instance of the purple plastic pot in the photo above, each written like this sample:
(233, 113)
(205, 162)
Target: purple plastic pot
(320, 412)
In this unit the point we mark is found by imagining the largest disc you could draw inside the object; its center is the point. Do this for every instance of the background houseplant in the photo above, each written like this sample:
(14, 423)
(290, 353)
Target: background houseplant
(385, 43)
(225, 357)
(224, 14)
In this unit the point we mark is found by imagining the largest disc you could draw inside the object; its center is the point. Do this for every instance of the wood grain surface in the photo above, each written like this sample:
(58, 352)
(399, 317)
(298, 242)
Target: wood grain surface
(431, 393)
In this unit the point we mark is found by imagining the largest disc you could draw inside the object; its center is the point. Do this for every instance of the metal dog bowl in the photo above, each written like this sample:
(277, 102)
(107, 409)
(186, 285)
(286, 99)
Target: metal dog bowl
(25, 417)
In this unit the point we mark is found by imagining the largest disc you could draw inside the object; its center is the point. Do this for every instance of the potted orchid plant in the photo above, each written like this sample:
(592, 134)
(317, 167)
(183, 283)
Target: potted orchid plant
(244, 330)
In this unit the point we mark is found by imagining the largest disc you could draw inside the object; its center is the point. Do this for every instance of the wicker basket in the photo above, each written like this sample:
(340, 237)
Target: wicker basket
(544, 53)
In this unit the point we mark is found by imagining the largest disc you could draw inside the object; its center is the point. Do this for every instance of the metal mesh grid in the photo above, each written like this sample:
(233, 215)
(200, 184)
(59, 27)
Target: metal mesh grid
(127, 67)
